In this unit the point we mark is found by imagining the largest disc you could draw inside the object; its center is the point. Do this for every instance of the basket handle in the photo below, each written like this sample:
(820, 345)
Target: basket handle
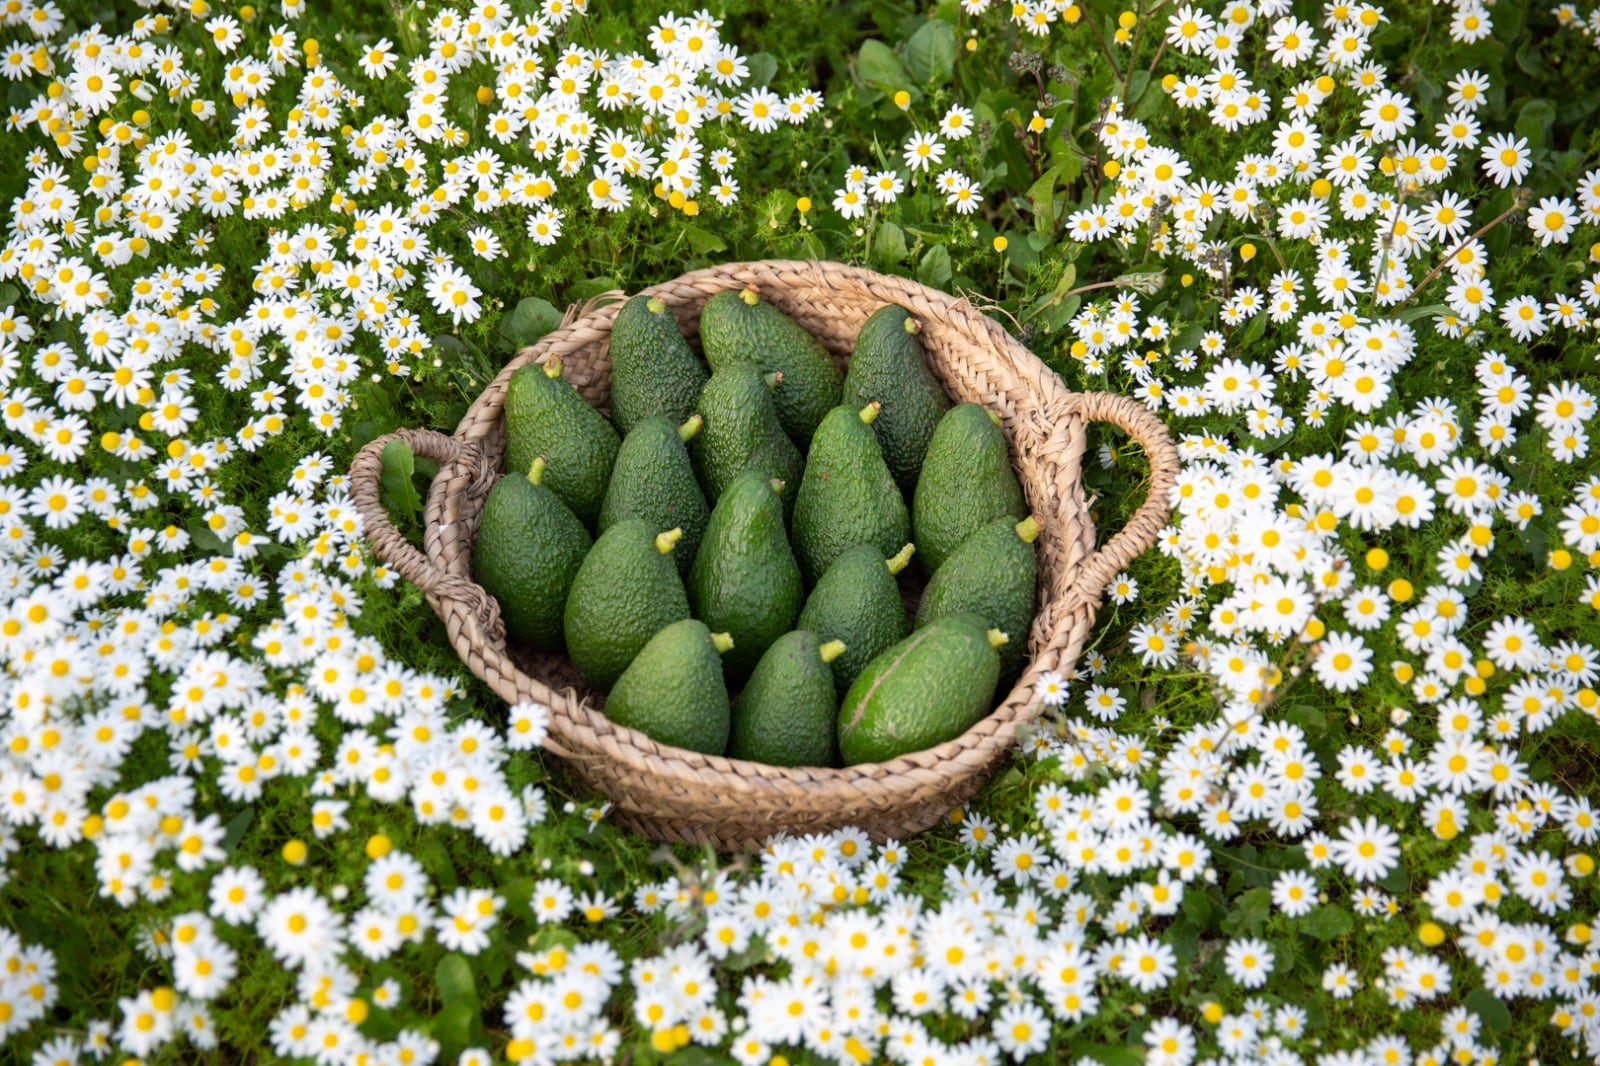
(1141, 531)
(366, 471)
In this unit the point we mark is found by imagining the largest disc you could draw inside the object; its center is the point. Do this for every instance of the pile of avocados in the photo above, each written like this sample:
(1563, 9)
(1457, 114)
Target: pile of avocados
(742, 524)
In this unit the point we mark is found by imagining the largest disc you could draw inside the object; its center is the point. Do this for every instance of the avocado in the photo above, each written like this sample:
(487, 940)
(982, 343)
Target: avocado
(529, 548)
(857, 602)
(546, 416)
(929, 688)
(966, 481)
(653, 479)
(995, 574)
(740, 327)
(673, 691)
(847, 495)
(742, 433)
(745, 581)
(653, 369)
(889, 366)
(626, 591)
(787, 712)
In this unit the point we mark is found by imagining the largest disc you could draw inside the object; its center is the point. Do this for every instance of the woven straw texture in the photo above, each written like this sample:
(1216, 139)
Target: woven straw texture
(676, 795)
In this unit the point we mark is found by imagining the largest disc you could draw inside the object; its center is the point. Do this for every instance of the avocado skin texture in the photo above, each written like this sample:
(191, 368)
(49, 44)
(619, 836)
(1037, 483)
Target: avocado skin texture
(966, 481)
(785, 715)
(654, 480)
(929, 688)
(625, 593)
(546, 416)
(653, 369)
(857, 601)
(742, 433)
(673, 691)
(745, 581)
(529, 548)
(733, 331)
(995, 574)
(847, 496)
(888, 366)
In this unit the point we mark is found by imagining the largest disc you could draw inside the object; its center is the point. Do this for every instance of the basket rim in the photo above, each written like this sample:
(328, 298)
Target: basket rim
(1055, 419)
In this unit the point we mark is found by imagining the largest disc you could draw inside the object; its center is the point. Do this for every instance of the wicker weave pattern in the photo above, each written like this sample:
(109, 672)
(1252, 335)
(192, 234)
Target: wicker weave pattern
(671, 794)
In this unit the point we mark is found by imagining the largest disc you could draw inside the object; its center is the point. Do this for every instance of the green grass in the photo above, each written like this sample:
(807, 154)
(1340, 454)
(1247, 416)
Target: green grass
(51, 896)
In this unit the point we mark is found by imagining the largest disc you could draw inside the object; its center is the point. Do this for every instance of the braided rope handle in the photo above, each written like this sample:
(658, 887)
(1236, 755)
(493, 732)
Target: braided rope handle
(1141, 530)
(388, 543)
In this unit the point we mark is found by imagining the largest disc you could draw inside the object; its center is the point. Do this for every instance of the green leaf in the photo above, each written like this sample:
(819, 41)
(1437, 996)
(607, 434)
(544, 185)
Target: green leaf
(395, 490)
(703, 241)
(455, 1028)
(1042, 195)
(453, 976)
(1253, 332)
(1200, 908)
(1327, 922)
(889, 246)
(1068, 278)
(1412, 314)
(1534, 122)
(237, 825)
(1136, 87)
(531, 319)
(763, 68)
(1249, 912)
(876, 64)
(1307, 717)
(931, 52)
(1486, 1005)
(1112, 1055)
(934, 271)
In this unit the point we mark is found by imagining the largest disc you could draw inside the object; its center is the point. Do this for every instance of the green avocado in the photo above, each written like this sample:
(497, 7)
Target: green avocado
(890, 367)
(966, 481)
(929, 688)
(786, 713)
(740, 327)
(529, 548)
(745, 581)
(742, 433)
(546, 416)
(653, 369)
(995, 574)
(626, 591)
(858, 602)
(653, 479)
(847, 495)
(673, 691)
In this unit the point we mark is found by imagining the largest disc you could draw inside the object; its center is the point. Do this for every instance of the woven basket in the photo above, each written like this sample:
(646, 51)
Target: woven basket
(671, 794)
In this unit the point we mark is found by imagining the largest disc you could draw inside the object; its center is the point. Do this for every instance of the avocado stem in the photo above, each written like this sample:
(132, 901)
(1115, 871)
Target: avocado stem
(912, 325)
(687, 431)
(773, 379)
(722, 642)
(1028, 529)
(778, 485)
(899, 560)
(831, 650)
(536, 471)
(665, 542)
(655, 305)
(552, 367)
(997, 638)
(749, 296)
(870, 412)
(994, 416)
